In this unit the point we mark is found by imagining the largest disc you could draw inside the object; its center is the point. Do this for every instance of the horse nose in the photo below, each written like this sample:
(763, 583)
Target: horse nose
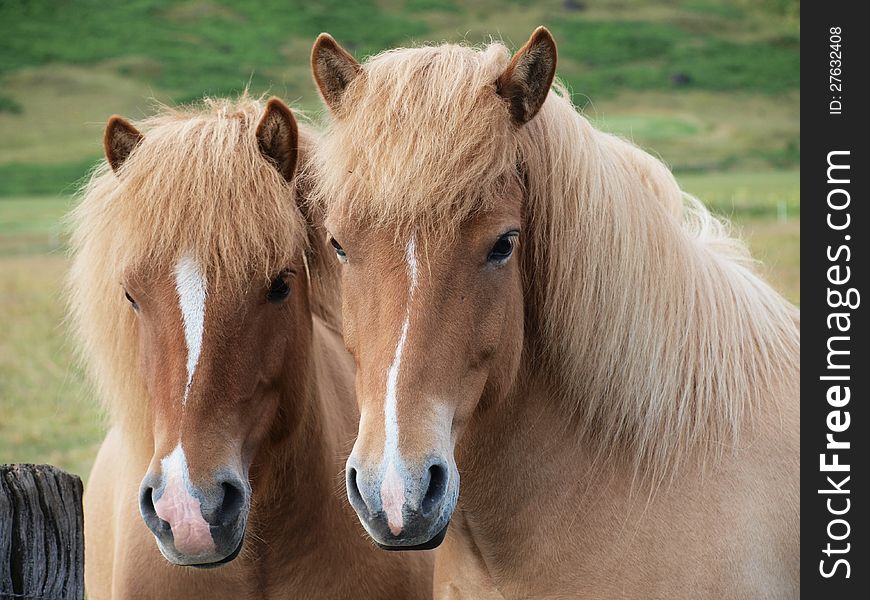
(403, 506)
(195, 525)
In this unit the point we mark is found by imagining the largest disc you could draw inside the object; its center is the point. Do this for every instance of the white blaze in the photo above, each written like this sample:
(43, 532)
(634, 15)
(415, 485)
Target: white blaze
(191, 284)
(174, 465)
(391, 441)
(392, 486)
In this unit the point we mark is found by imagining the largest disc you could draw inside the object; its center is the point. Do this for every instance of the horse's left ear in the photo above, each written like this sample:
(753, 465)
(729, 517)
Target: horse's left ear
(119, 140)
(278, 137)
(526, 81)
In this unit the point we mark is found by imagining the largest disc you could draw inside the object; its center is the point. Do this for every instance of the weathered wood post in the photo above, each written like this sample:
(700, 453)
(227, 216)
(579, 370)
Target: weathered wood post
(42, 546)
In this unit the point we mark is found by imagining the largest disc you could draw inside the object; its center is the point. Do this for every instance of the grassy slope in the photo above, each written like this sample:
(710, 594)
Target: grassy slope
(64, 67)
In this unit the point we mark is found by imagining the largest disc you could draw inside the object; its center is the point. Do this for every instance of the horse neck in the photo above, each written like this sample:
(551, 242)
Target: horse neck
(299, 461)
(656, 335)
(519, 447)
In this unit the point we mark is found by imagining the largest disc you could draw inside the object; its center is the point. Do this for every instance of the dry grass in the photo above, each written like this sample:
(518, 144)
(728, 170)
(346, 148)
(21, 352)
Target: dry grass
(46, 413)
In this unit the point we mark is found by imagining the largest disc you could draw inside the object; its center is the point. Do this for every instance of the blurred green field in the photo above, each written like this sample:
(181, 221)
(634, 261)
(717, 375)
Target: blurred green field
(709, 86)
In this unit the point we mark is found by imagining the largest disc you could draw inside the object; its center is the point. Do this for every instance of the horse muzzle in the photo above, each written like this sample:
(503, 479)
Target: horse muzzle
(404, 507)
(194, 526)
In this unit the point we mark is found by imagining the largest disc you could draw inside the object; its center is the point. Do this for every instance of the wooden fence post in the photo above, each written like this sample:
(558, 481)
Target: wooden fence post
(42, 547)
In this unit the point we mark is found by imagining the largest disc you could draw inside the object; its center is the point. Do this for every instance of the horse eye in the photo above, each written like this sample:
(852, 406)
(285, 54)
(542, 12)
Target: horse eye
(503, 248)
(279, 290)
(339, 251)
(132, 302)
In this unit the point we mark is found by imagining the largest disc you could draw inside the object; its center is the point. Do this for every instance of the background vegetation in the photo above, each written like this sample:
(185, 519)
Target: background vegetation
(710, 86)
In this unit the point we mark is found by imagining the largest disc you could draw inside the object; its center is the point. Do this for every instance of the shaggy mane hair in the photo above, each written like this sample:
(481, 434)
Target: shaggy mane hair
(197, 184)
(646, 317)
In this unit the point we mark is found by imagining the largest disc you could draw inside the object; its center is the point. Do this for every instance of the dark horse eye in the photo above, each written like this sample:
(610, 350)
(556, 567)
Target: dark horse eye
(279, 290)
(339, 251)
(503, 248)
(132, 302)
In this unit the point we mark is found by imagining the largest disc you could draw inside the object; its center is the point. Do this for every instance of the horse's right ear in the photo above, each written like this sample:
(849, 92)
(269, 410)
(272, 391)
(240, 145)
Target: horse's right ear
(334, 68)
(119, 140)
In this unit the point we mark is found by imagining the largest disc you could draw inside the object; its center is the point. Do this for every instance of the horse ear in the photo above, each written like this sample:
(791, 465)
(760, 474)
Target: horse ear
(119, 140)
(334, 68)
(278, 137)
(526, 81)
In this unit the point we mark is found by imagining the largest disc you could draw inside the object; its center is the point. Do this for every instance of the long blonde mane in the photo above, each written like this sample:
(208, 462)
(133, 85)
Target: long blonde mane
(197, 184)
(647, 318)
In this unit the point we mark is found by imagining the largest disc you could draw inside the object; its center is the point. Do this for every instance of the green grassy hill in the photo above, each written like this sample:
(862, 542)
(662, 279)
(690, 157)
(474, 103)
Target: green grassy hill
(706, 84)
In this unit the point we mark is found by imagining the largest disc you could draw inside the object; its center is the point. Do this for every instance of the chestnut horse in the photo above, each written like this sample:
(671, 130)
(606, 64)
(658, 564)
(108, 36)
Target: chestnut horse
(209, 319)
(535, 305)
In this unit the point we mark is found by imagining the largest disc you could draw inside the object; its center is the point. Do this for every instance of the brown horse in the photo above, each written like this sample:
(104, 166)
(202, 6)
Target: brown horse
(208, 318)
(538, 303)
